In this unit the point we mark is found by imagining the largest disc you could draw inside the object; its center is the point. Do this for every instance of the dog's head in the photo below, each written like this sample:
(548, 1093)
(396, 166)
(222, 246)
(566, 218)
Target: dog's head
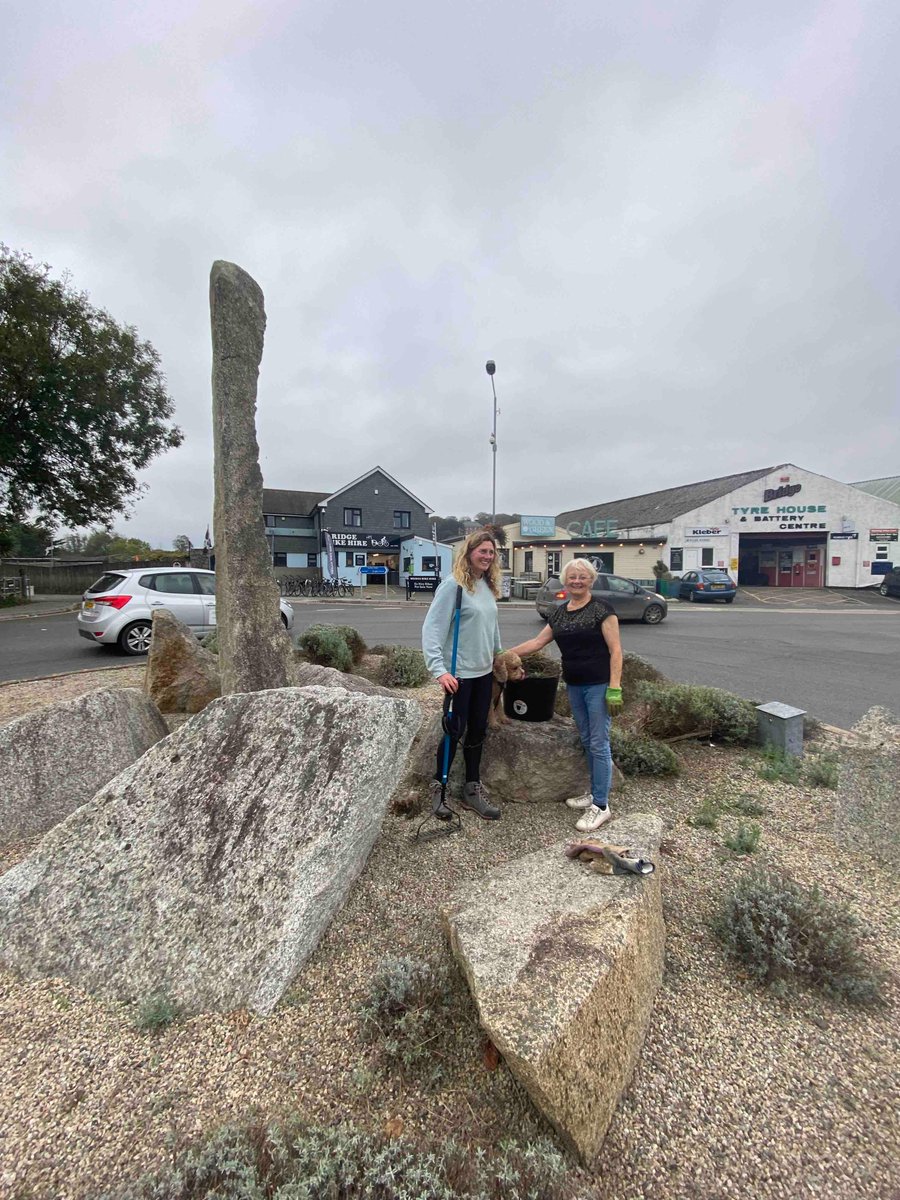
(508, 666)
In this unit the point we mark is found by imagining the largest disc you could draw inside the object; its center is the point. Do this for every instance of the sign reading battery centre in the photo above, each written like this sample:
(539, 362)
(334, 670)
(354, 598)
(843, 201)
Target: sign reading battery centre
(783, 516)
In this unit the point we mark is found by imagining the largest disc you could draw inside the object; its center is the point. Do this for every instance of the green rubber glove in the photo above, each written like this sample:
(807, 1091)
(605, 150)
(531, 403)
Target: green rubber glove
(613, 700)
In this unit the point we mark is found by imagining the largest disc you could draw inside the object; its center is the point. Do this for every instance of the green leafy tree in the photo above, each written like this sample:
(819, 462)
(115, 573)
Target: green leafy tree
(113, 545)
(448, 527)
(22, 540)
(83, 401)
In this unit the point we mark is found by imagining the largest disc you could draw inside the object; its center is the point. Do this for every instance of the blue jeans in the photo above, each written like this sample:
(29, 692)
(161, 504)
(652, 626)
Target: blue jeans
(588, 702)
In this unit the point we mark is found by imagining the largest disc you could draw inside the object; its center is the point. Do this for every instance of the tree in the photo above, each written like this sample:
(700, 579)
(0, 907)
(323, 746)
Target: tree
(109, 544)
(182, 544)
(501, 519)
(22, 540)
(83, 402)
(447, 527)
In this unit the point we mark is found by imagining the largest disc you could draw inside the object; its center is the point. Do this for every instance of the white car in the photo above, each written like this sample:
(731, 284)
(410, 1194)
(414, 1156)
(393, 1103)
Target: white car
(117, 609)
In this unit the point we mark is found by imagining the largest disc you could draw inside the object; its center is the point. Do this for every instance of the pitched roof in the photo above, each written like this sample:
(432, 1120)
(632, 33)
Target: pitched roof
(390, 478)
(885, 489)
(283, 502)
(655, 508)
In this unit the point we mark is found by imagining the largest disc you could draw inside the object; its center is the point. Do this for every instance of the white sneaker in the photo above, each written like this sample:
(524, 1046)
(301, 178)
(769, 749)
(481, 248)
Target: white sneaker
(581, 801)
(592, 819)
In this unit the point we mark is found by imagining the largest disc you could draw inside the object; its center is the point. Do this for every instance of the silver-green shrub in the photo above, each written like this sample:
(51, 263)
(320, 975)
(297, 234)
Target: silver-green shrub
(326, 646)
(676, 708)
(635, 755)
(403, 667)
(782, 931)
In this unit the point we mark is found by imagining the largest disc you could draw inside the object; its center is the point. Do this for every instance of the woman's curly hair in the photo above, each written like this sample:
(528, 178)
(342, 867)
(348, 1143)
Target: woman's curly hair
(462, 568)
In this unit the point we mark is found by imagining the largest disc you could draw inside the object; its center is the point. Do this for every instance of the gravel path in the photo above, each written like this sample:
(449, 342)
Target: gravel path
(737, 1094)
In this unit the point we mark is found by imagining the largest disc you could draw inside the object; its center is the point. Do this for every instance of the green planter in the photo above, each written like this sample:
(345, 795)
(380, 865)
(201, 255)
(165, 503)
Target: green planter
(662, 587)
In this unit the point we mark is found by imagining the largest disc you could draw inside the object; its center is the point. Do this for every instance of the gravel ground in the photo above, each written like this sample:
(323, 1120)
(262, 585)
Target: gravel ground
(737, 1093)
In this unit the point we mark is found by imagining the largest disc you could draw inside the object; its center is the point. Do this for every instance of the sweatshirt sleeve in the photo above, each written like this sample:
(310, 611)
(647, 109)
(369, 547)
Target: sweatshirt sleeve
(436, 626)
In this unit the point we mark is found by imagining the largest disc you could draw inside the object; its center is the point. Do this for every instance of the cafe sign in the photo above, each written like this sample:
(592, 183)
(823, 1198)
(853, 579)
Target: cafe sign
(598, 528)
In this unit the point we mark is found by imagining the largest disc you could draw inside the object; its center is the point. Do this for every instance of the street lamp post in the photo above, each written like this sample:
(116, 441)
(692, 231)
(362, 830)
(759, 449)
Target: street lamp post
(490, 366)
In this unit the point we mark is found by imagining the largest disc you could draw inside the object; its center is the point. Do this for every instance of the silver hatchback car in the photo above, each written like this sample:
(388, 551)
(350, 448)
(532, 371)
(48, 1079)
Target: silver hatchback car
(118, 608)
(628, 600)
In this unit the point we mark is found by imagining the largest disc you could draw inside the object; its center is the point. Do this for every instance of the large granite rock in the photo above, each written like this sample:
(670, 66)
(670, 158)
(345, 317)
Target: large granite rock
(563, 965)
(209, 870)
(54, 760)
(307, 674)
(523, 761)
(181, 676)
(253, 646)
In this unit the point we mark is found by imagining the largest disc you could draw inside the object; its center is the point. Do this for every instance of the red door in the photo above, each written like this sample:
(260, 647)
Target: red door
(815, 564)
(785, 568)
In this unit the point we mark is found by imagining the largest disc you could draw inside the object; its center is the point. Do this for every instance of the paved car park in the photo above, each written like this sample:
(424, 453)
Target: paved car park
(816, 598)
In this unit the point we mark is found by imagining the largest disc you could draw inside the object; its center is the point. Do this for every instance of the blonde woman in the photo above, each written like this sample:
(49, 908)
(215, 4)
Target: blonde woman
(477, 572)
(587, 633)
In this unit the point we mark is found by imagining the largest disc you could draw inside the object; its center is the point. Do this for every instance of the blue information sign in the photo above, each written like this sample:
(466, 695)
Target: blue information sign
(373, 570)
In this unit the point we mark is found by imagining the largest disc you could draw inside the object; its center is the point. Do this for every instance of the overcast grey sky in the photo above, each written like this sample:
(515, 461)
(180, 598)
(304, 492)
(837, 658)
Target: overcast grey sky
(673, 226)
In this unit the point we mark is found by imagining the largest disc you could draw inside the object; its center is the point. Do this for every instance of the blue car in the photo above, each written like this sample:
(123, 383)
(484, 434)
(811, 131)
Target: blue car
(709, 583)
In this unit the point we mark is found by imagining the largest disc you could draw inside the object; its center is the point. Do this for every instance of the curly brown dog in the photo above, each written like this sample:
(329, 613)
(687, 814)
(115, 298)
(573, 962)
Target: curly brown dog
(506, 666)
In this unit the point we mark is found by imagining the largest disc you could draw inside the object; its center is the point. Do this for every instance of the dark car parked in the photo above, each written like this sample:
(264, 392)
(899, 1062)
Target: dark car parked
(890, 584)
(709, 583)
(628, 600)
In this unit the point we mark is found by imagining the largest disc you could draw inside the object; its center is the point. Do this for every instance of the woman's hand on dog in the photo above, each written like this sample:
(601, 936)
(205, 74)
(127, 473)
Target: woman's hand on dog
(448, 682)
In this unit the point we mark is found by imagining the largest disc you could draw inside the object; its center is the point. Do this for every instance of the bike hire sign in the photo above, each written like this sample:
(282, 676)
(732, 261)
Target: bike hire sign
(360, 541)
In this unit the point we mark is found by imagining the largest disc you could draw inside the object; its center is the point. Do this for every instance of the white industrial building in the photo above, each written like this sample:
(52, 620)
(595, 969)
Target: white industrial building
(779, 526)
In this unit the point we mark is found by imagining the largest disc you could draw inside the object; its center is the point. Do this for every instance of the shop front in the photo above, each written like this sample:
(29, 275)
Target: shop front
(766, 560)
(354, 551)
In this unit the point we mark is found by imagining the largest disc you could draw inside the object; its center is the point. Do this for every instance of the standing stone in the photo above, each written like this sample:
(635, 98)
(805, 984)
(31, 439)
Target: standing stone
(253, 647)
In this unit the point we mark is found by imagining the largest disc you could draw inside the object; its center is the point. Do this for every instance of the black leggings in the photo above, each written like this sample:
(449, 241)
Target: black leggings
(471, 704)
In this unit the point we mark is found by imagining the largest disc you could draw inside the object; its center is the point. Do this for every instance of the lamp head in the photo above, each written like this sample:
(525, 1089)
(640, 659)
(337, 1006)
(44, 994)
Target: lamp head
(490, 366)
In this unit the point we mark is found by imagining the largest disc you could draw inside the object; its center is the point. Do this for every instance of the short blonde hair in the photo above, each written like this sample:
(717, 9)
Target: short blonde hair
(583, 565)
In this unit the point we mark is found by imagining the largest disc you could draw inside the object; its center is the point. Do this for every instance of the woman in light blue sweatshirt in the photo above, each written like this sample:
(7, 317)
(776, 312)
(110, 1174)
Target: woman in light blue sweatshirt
(477, 571)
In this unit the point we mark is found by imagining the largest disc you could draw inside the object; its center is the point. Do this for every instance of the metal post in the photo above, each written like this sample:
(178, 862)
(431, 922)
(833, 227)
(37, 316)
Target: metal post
(490, 366)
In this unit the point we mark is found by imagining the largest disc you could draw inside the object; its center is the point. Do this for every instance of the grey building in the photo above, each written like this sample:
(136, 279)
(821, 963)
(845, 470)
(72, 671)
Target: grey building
(366, 522)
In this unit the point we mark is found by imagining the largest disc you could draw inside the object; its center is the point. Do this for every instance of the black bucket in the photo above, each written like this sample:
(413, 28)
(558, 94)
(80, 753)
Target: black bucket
(530, 699)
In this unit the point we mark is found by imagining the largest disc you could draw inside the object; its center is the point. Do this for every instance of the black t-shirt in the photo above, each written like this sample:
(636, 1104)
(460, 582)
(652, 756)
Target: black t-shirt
(582, 646)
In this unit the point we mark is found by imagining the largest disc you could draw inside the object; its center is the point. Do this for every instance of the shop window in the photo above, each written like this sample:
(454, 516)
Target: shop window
(504, 557)
(279, 560)
(312, 560)
(529, 561)
(706, 557)
(353, 517)
(553, 557)
(402, 519)
(602, 562)
(430, 564)
(269, 521)
(676, 558)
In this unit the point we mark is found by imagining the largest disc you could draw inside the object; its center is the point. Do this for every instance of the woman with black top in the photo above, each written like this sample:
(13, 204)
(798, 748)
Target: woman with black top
(587, 633)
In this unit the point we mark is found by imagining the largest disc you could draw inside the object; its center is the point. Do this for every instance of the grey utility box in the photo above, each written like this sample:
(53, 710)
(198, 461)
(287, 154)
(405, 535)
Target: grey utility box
(781, 726)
